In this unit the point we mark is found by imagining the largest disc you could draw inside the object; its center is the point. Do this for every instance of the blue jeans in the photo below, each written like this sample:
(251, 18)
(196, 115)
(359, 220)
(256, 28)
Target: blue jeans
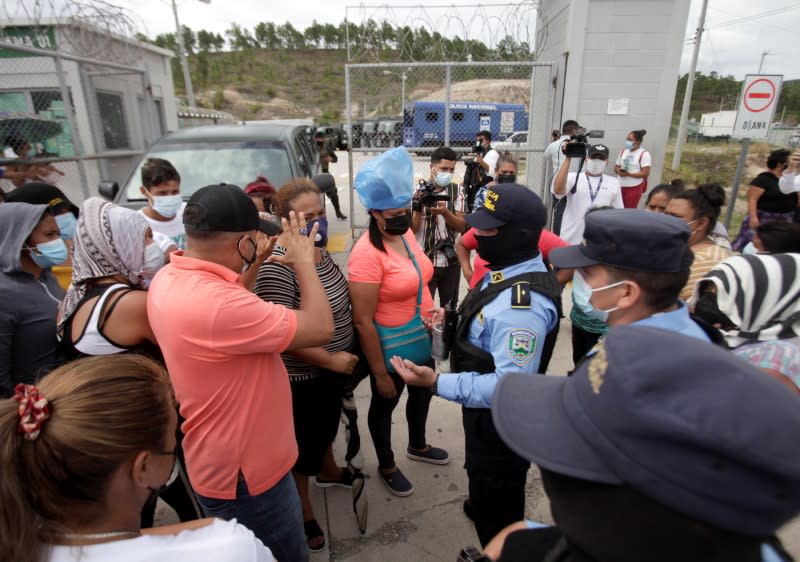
(274, 516)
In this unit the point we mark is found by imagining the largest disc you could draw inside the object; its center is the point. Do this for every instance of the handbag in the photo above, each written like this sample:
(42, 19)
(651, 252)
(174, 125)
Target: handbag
(411, 340)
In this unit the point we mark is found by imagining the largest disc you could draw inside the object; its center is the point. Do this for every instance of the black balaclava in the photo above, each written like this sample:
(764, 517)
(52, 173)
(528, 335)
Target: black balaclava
(511, 245)
(606, 523)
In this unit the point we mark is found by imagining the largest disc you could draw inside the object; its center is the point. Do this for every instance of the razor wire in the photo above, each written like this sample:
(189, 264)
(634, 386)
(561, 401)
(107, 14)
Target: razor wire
(455, 32)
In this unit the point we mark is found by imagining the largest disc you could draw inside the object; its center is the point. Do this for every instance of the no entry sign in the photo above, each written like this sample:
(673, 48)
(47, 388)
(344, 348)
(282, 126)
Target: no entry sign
(757, 105)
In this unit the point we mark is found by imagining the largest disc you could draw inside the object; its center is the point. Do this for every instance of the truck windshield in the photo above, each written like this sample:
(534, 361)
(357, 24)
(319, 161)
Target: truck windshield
(207, 163)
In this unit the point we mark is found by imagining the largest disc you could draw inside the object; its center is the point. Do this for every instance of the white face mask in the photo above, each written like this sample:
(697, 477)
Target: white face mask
(166, 205)
(153, 261)
(595, 166)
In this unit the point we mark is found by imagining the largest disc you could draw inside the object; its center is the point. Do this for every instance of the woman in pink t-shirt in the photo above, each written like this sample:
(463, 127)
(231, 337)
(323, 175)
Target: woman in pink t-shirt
(384, 285)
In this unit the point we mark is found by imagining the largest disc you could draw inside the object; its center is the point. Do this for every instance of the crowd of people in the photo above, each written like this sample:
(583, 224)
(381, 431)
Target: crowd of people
(204, 352)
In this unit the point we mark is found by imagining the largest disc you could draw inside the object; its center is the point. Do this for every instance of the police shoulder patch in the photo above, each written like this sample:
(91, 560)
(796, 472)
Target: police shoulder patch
(521, 346)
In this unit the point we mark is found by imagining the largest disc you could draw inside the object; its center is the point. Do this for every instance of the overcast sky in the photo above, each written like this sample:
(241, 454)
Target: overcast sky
(728, 48)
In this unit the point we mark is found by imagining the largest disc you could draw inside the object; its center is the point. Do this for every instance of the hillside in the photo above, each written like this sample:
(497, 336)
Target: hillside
(261, 83)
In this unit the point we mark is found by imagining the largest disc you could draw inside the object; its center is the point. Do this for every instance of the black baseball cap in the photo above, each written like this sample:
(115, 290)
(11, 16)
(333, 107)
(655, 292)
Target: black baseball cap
(509, 204)
(629, 239)
(40, 193)
(224, 208)
(597, 149)
(684, 422)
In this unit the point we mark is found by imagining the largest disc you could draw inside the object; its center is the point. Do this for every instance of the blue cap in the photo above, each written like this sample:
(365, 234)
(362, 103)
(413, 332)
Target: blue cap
(386, 181)
(629, 239)
(684, 422)
(512, 204)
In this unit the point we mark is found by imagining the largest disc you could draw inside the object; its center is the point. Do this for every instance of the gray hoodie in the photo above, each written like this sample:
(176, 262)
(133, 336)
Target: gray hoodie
(29, 347)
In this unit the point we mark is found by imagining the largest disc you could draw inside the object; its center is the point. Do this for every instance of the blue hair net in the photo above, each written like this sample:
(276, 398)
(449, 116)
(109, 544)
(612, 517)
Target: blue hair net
(386, 181)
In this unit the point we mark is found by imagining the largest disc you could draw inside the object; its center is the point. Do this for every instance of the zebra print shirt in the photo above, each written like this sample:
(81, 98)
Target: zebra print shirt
(277, 283)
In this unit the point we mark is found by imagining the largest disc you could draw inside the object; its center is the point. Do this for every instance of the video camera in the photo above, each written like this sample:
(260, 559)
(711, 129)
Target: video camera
(478, 149)
(578, 143)
(428, 196)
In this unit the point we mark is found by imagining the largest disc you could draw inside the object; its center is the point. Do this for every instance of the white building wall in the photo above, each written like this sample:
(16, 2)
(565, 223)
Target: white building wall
(610, 49)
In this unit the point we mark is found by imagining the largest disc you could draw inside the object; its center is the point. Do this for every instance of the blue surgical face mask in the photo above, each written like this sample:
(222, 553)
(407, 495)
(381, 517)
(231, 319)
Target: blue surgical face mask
(582, 297)
(443, 179)
(166, 205)
(66, 225)
(48, 254)
(629, 144)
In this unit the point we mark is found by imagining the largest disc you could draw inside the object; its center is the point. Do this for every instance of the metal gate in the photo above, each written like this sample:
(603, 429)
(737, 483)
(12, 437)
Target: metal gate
(393, 104)
(88, 119)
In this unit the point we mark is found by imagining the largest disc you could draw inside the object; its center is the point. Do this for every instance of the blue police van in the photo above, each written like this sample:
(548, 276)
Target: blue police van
(424, 122)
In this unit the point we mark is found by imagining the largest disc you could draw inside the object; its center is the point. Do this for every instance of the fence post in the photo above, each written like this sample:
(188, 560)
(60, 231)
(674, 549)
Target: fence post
(349, 111)
(447, 105)
(73, 130)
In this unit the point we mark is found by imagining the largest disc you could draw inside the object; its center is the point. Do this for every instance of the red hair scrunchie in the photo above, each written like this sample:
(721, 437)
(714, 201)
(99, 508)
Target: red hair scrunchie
(33, 410)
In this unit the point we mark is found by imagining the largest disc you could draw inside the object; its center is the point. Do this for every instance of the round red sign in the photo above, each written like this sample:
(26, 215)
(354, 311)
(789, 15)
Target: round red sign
(759, 95)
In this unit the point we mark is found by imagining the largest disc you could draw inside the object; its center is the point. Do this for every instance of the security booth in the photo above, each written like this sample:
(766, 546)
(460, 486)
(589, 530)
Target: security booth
(107, 97)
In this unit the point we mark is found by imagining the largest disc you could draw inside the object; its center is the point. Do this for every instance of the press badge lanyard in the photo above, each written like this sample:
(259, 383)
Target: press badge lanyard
(593, 194)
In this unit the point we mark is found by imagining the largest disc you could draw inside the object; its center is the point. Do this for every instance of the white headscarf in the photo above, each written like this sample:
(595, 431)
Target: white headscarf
(109, 240)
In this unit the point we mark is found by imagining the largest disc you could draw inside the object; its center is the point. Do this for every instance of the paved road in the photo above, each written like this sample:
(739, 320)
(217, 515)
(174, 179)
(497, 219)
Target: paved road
(429, 525)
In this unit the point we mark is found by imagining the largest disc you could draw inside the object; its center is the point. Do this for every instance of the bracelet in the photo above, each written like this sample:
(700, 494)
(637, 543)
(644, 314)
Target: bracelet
(435, 387)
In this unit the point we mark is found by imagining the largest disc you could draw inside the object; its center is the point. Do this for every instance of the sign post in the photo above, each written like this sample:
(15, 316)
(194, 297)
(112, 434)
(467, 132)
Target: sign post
(754, 115)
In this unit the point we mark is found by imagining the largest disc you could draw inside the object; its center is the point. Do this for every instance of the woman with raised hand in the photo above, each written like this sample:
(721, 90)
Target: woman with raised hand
(82, 453)
(316, 374)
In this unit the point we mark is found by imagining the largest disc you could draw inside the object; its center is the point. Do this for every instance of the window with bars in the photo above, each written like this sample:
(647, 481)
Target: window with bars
(111, 107)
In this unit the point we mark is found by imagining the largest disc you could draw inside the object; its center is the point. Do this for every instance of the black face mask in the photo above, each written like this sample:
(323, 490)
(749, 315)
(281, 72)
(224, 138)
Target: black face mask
(397, 225)
(506, 178)
(508, 247)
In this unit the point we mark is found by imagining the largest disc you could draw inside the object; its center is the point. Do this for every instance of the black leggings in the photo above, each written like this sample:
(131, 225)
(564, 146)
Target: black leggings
(379, 418)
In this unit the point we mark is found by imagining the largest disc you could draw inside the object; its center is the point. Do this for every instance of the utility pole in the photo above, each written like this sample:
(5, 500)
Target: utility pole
(687, 97)
(187, 79)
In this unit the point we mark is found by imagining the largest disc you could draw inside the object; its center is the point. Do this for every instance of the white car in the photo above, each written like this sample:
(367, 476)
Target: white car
(514, 140)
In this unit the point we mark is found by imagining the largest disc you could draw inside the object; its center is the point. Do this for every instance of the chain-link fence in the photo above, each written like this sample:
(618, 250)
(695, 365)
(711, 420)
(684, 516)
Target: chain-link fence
(389, 105)
(72, 120)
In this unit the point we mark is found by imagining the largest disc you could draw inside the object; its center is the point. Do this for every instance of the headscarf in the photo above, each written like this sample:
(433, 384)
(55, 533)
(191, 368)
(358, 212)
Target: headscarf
(760, 294)
(109, 240)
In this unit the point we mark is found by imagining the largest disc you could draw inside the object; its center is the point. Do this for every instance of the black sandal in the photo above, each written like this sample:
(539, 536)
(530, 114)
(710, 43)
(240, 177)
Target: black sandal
(313, 531)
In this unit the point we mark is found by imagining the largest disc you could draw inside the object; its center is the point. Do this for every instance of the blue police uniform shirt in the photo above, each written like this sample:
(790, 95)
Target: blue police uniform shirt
(675, 321)
(514, 337)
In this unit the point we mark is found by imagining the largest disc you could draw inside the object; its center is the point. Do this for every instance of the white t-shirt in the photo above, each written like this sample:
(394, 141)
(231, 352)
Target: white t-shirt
(221, 541)
(605, 192)
(172, 229)
(491, 159)
(630, 161)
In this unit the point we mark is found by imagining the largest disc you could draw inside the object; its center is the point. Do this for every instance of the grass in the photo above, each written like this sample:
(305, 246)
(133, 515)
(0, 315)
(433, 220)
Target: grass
(715, 162)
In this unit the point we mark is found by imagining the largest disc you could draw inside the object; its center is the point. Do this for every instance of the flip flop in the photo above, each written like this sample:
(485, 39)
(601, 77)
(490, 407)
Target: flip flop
(314, 531)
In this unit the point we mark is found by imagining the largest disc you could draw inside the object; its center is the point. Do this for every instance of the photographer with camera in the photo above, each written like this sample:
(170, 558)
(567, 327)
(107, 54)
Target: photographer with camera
(591, 188)
(438, 216)
(485, 155)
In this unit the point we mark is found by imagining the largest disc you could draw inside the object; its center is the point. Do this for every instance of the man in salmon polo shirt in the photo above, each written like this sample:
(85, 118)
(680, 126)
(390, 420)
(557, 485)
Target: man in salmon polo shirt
(222, 346)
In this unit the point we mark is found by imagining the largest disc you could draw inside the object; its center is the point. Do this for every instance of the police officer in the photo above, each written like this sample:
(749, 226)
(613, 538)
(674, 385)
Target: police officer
(502, 328)
(659, 448)
(630, 268)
